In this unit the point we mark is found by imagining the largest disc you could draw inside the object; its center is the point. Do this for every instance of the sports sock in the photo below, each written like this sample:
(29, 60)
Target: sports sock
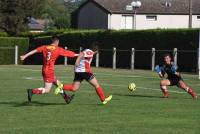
(68, 87)
(189, 90)
(100, 93)
(164, 88)
(38, 91)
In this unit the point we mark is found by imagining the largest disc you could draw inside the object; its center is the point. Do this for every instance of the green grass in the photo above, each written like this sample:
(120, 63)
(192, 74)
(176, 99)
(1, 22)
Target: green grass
(139, 112)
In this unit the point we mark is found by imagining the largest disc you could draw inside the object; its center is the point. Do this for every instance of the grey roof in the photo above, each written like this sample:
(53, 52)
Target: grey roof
(36, 24)
(149, 6)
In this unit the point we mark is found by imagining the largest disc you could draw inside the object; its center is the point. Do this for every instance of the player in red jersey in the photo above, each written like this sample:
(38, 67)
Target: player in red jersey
(83, 72)
(50, 54)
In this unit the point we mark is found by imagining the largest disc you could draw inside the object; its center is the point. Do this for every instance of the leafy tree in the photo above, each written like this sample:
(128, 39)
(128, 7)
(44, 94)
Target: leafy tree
(14, 13)
(58, 12)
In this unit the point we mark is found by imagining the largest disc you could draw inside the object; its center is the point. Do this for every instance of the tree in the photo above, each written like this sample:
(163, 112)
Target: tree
(58, 12)
(14, 13)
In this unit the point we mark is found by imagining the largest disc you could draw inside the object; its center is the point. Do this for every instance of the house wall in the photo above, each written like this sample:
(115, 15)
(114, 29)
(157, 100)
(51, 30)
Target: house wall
(163, 21)
(115, 21)
(195, 21)
(92, 17)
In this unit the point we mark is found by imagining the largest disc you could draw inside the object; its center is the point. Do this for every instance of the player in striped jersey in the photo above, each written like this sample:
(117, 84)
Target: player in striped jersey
(83, 72)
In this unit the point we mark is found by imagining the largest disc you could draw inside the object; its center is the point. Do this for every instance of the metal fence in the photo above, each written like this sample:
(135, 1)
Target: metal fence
(187, 60)
(10, 54)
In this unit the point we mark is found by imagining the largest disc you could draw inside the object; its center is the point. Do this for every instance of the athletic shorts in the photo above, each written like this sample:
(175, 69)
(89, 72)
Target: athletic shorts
(80, 76)
(48, 76)
(175, 80)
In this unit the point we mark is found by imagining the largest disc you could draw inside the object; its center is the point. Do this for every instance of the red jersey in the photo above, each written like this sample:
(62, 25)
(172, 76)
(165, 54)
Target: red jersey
(50, 54)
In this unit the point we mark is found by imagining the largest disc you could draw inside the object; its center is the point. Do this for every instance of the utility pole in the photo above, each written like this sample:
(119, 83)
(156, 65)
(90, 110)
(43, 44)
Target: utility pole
(190, 13)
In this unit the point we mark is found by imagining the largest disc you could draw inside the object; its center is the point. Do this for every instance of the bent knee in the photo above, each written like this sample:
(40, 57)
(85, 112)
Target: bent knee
(46, 91)
(162, 83)
(74, 89)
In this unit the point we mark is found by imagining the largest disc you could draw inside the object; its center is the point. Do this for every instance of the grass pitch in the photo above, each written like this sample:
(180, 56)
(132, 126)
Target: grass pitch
(139, 112)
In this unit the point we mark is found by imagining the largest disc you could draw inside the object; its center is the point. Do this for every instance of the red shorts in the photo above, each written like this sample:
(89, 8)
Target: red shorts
(48, 76)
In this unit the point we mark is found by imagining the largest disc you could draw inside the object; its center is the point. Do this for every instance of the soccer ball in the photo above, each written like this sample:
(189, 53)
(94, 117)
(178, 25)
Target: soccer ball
(132, 87)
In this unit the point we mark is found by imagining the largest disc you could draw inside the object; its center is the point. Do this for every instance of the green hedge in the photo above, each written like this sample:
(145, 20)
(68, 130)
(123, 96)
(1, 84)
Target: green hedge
(7, 56)
(125, 39)
(161, 39)
(3, 34)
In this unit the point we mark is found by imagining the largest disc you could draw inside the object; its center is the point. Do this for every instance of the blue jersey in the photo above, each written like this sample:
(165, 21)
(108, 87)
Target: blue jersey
(170, 70)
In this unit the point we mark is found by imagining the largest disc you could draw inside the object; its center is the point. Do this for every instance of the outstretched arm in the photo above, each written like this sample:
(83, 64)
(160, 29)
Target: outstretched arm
(178, 74)
(95, 52)
(67, 53)
(158, 70)
(175, 70)
(23, 57)
(79, 59)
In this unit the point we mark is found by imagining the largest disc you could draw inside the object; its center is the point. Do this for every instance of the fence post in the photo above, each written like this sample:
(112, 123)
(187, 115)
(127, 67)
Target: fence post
(16, 55)
(80, 49)
(175, 56)
(153, 58)
(97, 59)
(65, 60)
(114, 58)
(132, 58)
(199, 56)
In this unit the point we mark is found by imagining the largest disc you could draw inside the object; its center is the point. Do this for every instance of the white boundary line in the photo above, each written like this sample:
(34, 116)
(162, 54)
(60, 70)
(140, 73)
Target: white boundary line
(146, 88)
(104, 74)
(143, 88)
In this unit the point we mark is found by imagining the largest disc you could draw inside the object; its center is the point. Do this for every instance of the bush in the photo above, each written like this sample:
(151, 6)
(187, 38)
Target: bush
(7, 56)
(183, 39)
(3, 34)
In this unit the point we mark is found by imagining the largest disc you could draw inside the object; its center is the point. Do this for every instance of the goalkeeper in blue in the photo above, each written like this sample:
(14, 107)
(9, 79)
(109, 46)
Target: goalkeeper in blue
(173, 77)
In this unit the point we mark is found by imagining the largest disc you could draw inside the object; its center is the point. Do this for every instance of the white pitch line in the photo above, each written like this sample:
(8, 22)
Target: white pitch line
(22, 69)
(143, 88)
(130, 76)
(146, 88)
(104, 74)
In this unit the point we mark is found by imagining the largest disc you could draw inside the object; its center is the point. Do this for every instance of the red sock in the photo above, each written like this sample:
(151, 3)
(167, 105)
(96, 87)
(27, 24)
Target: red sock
(100, 93)
(68, 87)
(36, 91)
(192, 93)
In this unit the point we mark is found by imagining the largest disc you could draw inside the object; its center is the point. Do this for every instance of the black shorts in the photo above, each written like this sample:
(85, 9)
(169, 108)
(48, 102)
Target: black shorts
(175, 80)
(80, 76)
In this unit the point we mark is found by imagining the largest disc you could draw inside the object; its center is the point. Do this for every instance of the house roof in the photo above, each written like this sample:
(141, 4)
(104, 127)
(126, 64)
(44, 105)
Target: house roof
(36, 24)
(148, 6)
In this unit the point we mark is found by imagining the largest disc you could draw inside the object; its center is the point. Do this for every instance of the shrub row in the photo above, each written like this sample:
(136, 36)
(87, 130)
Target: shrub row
(160, 39)
(7, 56)
(183, 39)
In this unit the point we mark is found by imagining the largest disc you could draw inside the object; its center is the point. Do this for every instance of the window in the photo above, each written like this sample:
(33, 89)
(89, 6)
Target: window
(151, 17)
(198, 17)
(127, 22)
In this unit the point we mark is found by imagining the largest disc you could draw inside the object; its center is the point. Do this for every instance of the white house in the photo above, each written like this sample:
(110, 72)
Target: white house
(153, 14)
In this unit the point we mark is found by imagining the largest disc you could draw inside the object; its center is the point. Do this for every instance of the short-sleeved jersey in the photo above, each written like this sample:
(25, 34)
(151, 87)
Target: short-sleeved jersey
(170, 70)
(85, 61)
(51, 53)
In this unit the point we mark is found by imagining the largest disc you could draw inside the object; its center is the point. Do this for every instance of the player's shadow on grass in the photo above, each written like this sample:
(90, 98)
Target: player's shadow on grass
(138, 95)
(147, 96)
(34, 103)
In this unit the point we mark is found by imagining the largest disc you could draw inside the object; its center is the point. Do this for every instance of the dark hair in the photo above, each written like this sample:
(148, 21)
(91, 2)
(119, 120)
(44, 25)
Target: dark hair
(165, 55)
(95, 46)
(54, 38)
